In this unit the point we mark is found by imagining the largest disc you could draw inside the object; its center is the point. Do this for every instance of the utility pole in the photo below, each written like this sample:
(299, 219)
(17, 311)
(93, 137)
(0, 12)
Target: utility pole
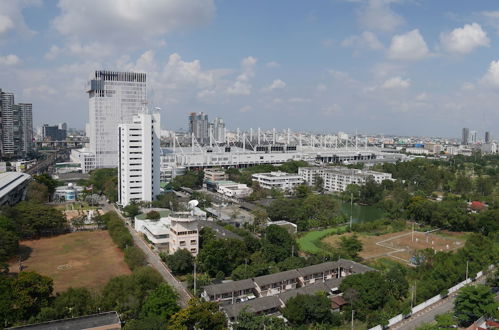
(353, 312)
(195, 278)
(412, 233)
(467, 269)
(351, 210)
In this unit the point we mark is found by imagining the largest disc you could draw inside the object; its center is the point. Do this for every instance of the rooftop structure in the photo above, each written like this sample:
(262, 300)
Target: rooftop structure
(102, 321)
(278, 180)
(13, 187)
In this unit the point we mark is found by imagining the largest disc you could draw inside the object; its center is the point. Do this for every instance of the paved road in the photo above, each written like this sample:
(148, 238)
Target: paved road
(428, 314)
(155, 261)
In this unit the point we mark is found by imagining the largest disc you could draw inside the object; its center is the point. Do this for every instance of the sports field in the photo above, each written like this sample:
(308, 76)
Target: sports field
(81, 259)
(401, 246)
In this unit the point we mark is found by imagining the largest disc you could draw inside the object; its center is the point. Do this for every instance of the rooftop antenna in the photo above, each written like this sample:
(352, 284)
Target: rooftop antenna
(192, 205)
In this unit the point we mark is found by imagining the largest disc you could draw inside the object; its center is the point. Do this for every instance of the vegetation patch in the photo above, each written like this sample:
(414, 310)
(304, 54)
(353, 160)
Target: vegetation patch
(310, 242)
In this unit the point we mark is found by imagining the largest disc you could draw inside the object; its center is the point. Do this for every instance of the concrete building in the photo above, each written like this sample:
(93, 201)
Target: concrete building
(233, 189)
(338, 178)
(84, 157)
(68, 193)
(213, 174)
(489, 148)
(473, 137)
(13, 186)
(53, 133)
(417, 151)
(217, 131)
(184, 233)
(465, 136)
(16, 130)
(488, 139)
(198, 127)
(278, 180)
(114, 99)
(139, 159)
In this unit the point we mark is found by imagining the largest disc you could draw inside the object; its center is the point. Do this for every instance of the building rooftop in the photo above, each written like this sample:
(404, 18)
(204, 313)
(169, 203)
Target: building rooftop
(227, 287)
(162, 214)
(10, 180)
(277, 277)
(100, 321)
(306, 290)
(319, 268)
(254, 306)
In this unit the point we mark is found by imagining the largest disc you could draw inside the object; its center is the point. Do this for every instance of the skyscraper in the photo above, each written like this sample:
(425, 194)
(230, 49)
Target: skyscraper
(465, 137)
(217, 129)
(139, 158)
(487, 137)
(16, 133)
(198, 125)
(114, 98)
(473, 137)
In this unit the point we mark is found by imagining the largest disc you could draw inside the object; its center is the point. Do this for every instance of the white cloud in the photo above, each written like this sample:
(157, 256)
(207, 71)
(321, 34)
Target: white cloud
(365, 40)
(242, 85)
(464, 40)
(246, 108)
(272, 64)
(410, 46)
(129, 24)
(491, 78)
(276, 84)
(53, 52)
(5, 24)
(396, 83)
(9, 60)
(299, 100)
(331, 110)
(328, 43)
(378, 15)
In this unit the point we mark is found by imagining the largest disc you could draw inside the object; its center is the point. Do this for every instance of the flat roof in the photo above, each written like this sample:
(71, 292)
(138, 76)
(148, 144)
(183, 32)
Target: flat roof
(10, 180)
(228, 287)
(162, 214)
(253, 306)
(84, 322)
(304, 290)
(277, 277)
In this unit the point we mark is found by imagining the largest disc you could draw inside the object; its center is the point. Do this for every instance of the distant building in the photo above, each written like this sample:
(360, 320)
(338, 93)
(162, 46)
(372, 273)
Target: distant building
(488, 148)
(53, 133)
(198, 126)
(215, 175)
(338, 178)
(278, 180)
(487, 137)
(217, 131)
(13, 186)
(16, 122)
(139, 159)
(473, 137)
(417, 151)
(465, 136)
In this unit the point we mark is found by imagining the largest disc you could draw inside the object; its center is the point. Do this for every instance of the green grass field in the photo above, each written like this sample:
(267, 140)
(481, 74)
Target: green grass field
(308, 242)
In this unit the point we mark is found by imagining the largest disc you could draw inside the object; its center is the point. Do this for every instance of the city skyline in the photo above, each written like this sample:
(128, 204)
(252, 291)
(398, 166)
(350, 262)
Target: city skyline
(376, 66)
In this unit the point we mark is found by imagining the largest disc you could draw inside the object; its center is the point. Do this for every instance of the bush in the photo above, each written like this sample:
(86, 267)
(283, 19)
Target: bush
(153, 215)
(134, 257)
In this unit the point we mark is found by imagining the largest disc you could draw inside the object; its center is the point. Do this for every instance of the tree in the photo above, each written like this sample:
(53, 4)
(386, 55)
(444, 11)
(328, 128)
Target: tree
(9, 243)
(308, 309)
(222, 255)
(161, 302)
(181, 262)
(148, 323)
(167, 200)
(153, 215)
(37, 192)
(74, 302)
(7, 315)
(302, 191)
(473, 302)
(31, 292)
(199, 315)
(318, 183)
(350, 246)
(134, 257)
(250, 321)
(260, 217)
(131, 210)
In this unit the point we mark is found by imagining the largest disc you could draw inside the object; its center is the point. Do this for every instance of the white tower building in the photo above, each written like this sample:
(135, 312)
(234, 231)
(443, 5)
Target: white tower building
(139, 158)
(114, 98)
(184, 233)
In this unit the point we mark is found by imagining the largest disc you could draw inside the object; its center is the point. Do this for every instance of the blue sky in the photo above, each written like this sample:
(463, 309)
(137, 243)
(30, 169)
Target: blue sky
(408, 67)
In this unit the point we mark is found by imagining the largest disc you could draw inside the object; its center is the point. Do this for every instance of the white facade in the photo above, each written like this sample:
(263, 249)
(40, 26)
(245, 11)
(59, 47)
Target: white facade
(85, 158)
(417, 151)
(157, 231)
(338, 178)
(234, 189)
(278, 180)
(139, 159)
(184, 233)
(114, 98)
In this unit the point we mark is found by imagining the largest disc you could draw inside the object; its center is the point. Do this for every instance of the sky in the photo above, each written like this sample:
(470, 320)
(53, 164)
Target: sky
(405, 67)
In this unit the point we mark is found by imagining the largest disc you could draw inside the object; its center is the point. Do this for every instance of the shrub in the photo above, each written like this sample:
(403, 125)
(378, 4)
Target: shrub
(134, 257)
(153, 215)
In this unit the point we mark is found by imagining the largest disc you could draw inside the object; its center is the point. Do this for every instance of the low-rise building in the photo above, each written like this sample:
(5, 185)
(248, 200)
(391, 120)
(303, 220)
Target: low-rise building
(338, 178)
(212, 174)
(417, 151)
(234, 189)
(232, 292)
(68, 193)
(278, 180)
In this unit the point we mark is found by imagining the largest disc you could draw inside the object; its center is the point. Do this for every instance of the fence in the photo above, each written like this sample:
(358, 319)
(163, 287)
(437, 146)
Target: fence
(396, 319)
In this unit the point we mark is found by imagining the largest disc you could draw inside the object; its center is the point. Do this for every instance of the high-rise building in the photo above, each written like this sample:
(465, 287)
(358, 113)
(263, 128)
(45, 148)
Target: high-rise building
(217, 130)
(16, 133)
(466, 136)
(198, 125)
(53, 133)
(487, 137)
(473, 137)
(139, 158)
(114, 98)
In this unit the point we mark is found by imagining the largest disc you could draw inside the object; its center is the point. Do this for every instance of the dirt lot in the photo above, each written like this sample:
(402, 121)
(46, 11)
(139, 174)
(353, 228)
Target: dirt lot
(82, 259)
(401, 245)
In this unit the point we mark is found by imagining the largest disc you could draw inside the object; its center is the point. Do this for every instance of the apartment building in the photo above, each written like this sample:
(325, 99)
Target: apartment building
(278, 180)
(184, 233)
(338, 178)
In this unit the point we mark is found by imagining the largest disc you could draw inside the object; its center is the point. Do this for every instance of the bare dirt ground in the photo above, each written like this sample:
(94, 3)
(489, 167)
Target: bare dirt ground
(81, 259)
(402, 245)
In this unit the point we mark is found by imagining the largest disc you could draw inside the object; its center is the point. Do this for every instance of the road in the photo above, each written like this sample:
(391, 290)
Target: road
(428, 314)
(155, 261)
